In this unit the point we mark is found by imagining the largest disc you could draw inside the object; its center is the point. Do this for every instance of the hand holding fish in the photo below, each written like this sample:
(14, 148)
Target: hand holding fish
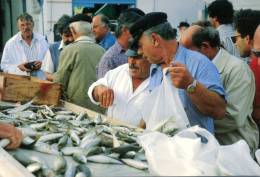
(15, 136)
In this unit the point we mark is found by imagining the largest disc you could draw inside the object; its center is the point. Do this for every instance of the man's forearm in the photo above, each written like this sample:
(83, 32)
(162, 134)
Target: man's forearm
(208, 102)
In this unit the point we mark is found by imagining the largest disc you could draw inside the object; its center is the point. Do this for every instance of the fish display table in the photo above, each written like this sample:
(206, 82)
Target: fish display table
(103, 146)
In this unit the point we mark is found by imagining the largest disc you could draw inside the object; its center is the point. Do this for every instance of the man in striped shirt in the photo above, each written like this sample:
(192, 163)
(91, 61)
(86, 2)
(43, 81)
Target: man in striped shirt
(24, 52)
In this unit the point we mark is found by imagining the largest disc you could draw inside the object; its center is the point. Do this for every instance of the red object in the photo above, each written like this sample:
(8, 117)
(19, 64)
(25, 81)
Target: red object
(256, 70)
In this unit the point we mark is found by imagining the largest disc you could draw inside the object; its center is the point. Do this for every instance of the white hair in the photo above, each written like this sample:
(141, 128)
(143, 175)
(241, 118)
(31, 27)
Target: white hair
(82, 28)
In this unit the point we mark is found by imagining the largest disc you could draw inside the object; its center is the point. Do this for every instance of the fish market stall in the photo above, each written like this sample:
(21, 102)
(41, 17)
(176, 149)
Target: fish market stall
(70, 141)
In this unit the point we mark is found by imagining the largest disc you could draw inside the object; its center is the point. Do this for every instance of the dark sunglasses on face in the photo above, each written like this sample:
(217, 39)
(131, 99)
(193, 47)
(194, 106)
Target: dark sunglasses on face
(256, 52)
(234, 38)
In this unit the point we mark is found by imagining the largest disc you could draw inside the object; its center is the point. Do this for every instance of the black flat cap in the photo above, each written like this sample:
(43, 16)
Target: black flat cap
(148, 21)
(81, 17)
(183, 24)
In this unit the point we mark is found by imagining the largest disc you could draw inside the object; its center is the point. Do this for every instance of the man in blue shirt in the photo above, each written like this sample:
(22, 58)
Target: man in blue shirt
(198, 80)
(101, 30)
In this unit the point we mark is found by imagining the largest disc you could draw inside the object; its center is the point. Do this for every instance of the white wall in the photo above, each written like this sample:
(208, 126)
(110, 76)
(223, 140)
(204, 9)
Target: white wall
(177, 10)
(52, 11)
(46, 17)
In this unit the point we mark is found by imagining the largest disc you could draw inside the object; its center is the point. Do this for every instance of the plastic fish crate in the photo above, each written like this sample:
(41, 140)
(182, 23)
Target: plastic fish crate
(25, 88)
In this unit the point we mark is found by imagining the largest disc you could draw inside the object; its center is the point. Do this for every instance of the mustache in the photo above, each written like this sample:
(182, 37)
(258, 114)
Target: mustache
(132, 66)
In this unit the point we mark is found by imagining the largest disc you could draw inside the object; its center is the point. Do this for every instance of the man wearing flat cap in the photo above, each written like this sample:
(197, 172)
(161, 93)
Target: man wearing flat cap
(122, 89)
(115, 55)
(197, 79)
(76, 70)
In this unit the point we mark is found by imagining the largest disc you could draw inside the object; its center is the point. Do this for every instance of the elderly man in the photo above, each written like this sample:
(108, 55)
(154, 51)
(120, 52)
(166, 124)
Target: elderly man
(78, 60)
(51, 59)
(115, 56)
(199, 84)
(13, 134)
(101, 30)
(121, 89)
(221, 17)
(239, 84)
(24, 52)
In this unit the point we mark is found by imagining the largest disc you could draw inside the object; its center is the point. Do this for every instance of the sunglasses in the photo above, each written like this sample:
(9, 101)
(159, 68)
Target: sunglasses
(256, 52)
(234, 38)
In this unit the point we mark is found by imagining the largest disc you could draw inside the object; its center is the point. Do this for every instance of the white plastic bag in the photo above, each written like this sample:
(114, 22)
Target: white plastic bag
(236, 160)
(165, 103)
(192, 151)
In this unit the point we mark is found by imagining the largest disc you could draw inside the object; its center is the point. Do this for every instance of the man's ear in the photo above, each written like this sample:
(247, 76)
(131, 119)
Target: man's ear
(155, 39)
(205, 45)
(248, 40)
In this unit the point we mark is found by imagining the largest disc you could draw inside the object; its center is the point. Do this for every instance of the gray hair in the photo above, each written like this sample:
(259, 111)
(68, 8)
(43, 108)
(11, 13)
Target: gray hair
(25, 16)
(104, 20)
(81, 27)
(165, 30)
(208, 34)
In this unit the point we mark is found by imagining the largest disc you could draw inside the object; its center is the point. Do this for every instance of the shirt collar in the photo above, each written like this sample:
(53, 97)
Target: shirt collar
(20, 39)
(61, 45)
(216, 58)
(85, 38)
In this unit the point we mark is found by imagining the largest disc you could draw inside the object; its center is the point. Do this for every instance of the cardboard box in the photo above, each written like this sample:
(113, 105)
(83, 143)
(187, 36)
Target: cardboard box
(26, 88)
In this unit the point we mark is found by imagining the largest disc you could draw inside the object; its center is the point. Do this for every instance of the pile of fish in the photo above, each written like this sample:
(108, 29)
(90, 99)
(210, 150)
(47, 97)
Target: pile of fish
(59, 132)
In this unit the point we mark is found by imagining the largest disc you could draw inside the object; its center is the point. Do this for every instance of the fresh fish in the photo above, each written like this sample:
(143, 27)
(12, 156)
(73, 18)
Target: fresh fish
(81, 158)
(80, 116)
(80, 174)
(75, 137)
(63, 141)
(136, 164)
(45, 148)
(27, 141)
(20, 108)
(29, 131)
(50, 137)
(126, 148)
(33, 167)
(70, 171)
(39, 125)
(4, 142)
(84, 169)
(73, 150)
(101, 158)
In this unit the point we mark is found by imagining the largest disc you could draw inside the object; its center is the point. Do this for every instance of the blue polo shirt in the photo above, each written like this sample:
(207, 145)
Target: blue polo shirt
(107, 41)
(204, 71)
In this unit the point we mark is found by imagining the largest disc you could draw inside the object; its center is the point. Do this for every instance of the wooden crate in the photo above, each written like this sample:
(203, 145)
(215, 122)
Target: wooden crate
(25, 88)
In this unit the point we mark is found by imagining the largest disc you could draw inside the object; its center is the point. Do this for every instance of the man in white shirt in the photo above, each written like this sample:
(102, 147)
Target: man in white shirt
(121, 89)
(24, 52)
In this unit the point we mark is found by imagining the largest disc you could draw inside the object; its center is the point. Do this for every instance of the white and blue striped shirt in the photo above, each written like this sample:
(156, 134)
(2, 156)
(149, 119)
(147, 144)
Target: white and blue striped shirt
(225, 34)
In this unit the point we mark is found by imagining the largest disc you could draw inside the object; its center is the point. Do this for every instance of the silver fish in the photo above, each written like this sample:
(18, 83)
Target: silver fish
(4, 142)
(101, 158)
(33, 167)
(136, 164)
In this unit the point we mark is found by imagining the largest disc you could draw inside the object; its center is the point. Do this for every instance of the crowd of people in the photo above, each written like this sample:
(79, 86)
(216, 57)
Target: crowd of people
(215, 65)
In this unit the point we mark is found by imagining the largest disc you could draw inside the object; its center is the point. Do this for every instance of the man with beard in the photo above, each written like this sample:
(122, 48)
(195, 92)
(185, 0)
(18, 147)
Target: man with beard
(51, 60)
(24, 52)
(121, 89)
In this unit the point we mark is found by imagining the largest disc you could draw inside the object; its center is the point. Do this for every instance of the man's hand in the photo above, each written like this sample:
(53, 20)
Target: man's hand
(180, 76)
(37, 65)
(13, 134)
(23, 68)
(104, 95)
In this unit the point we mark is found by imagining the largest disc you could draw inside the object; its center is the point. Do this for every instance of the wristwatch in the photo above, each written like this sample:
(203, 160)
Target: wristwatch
(192, 87)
